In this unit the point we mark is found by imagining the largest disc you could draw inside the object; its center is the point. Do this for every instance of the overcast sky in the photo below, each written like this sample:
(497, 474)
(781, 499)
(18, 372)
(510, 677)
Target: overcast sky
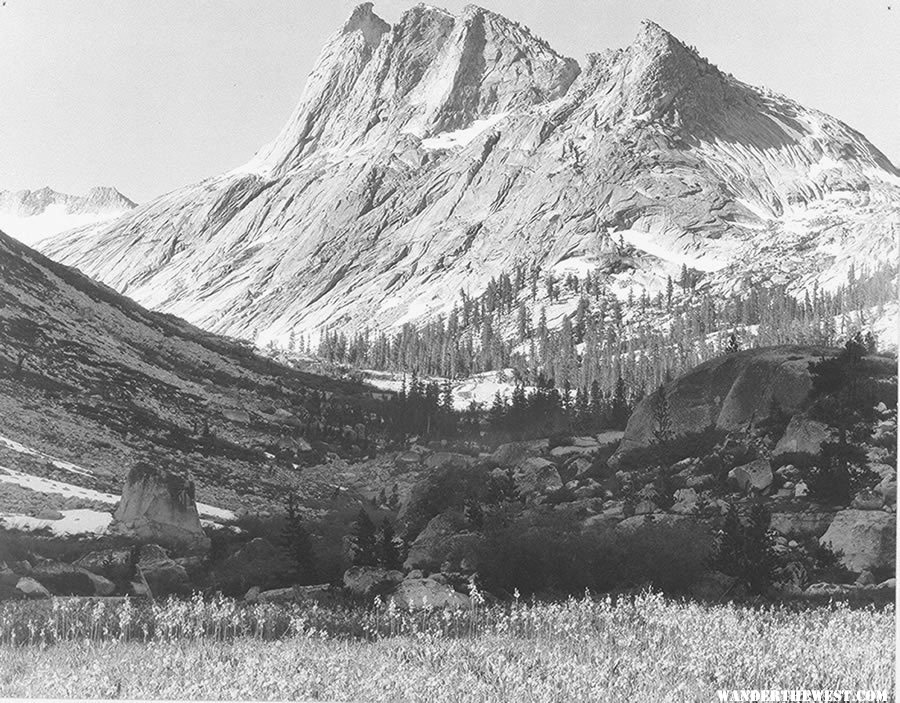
(148, 96)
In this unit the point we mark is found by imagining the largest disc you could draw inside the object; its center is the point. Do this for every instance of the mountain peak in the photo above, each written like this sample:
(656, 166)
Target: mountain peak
(364, 20)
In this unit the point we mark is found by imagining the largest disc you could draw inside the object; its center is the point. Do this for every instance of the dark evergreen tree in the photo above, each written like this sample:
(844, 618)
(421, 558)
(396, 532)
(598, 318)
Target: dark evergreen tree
(363, 543)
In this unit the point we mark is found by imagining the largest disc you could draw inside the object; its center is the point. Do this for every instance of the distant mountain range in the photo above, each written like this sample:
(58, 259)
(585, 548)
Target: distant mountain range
(32, 215)
(427, 157)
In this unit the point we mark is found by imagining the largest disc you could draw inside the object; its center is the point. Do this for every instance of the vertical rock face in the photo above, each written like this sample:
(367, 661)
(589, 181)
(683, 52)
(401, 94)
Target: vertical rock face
(158, 506)
(432, 155)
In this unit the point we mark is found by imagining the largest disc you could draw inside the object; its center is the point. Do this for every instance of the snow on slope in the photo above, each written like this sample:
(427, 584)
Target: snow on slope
(32, 216)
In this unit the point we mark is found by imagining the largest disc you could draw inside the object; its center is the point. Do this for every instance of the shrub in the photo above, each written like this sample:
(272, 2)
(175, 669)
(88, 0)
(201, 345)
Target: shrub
(542, 560)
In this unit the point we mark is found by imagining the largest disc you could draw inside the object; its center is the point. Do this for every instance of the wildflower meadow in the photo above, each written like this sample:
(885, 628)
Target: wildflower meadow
(643, 647)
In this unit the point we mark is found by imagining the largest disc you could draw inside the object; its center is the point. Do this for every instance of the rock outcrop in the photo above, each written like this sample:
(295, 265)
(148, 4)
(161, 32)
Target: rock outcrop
(734, 391)
(158, 506)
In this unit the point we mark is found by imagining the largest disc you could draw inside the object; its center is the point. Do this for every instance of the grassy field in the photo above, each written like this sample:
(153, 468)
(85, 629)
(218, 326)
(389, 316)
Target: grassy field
(644, 648)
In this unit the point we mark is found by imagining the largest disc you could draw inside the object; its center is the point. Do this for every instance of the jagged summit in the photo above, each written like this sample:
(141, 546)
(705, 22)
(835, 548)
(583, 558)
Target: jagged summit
(430, 156)
(364, 20)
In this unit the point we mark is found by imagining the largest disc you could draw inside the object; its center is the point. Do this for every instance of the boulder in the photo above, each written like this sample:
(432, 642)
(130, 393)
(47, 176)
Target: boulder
(733, 391)
(537, 475)
(570, 450)
(513, 453)
(803, 435)
(49, 514)
(239, 416)
(812, 522)
(644, 507)
(65, 579)
(450, 459)
(31, 588)
(755, 476)
(163, 575)
(865, 538)
(444, 537)
(866, 578)
(801, 489)
(426, 593)
(579, 466)
(887, 489)
(867, 500)
(685, 501)
(158, 505)
(407, 459)
(370, 581)
(114, 564)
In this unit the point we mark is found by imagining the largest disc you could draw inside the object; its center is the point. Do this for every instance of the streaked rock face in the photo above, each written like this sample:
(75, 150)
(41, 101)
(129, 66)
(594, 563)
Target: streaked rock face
(429, 156)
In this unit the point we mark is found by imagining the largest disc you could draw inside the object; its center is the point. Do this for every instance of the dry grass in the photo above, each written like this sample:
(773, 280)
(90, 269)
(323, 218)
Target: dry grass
(644, 648)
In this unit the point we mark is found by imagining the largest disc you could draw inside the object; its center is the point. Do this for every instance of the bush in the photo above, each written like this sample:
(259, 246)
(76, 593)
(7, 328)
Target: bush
(544, 561)
(671, 451)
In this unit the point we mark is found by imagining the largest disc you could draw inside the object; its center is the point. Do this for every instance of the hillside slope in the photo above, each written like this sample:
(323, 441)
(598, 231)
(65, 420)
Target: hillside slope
(90, 382)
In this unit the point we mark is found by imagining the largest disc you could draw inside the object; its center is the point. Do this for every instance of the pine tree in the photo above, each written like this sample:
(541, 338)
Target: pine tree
(663, 431)
(363, 543)
(387, 547)
(296, 542)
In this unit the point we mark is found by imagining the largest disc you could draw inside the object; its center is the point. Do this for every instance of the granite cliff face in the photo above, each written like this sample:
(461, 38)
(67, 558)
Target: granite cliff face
(425, 158)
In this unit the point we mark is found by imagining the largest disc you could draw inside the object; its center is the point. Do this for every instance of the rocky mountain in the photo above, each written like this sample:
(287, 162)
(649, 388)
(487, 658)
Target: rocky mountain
(92, 385)
(426, 157)
(32, 215)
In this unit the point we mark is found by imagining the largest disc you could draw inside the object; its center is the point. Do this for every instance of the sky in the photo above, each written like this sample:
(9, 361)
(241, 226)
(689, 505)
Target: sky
(150, 96)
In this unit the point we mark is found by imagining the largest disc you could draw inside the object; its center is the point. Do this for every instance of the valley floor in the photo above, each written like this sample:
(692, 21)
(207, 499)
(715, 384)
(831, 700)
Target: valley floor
(644, 648)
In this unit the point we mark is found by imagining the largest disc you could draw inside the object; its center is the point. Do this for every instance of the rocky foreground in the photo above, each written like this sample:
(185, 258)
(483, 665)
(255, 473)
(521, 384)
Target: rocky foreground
(744, 430)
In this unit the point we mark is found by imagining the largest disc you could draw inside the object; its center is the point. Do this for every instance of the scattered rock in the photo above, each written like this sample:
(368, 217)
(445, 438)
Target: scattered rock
(812, 522)
(447, 459)
(755, 476)
(513, 453)
(537, 475)
(685, 501)
(64, 579)
(887, 489)
(407, 459)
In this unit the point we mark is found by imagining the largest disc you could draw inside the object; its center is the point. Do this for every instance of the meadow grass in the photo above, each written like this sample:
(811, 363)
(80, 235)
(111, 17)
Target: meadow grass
(644, 647)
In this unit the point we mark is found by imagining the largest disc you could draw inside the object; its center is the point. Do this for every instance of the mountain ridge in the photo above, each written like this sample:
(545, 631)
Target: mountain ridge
(458, 146)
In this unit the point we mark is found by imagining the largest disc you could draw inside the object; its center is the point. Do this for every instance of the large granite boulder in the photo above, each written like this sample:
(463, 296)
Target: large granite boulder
(802, 435)
(370, 581)
(69, 580)
(731, 392)
(536, 475)
(514, 453)
(865, 538)
(162, 574)
(753, 477)
(158, 506)
(444, 538)
(426, 593)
